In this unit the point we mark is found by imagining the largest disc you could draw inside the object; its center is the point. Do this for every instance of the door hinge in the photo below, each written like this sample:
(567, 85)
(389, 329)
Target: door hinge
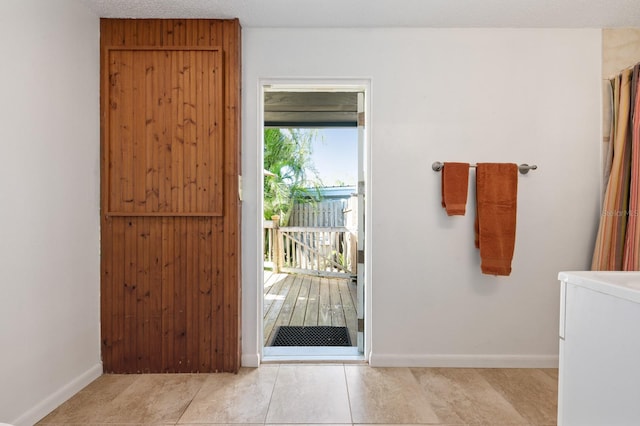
(240, 187)
(361, 119)
(360, 326)
(361, 256)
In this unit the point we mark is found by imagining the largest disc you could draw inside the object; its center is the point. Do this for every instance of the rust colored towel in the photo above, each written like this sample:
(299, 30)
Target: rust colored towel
(496, 196)
(455, 183)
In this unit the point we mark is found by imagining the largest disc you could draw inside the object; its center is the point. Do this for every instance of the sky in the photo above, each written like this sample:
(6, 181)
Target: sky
(335, 155)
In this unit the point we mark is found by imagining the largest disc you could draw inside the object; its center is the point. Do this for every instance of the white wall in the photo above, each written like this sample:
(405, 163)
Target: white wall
(49, 200)
(477, 95)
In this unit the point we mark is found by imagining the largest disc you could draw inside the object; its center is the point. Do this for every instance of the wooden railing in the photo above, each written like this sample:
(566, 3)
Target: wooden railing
(310, 250)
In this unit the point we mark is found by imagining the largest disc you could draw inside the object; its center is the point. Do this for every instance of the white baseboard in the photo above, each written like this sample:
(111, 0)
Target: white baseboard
(250, 360)
(464, 361)
(51, 402)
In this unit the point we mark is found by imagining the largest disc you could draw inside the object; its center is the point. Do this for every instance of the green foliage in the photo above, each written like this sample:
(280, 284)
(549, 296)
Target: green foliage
(287, 158)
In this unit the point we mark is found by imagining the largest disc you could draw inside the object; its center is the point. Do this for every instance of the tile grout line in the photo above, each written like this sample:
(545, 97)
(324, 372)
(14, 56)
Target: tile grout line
(346, 384)
(266, 414)
(191, 401)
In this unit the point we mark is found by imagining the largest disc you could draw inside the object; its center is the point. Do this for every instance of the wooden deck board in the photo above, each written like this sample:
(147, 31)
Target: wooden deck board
(272, 315)
(313, 303)
(300, 308)
(296, 300)
(286, 310)
(349, 307)
(324, 311)
(272, 284)
(337, 308)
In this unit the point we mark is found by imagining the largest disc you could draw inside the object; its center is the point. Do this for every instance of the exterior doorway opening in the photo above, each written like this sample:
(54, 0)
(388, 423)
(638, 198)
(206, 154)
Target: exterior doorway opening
(313, 222)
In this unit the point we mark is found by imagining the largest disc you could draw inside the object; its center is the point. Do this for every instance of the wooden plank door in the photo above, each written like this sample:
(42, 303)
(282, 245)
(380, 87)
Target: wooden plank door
(170, 209)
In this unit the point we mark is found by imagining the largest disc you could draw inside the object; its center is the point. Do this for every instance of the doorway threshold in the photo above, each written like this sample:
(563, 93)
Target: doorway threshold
(323, 354)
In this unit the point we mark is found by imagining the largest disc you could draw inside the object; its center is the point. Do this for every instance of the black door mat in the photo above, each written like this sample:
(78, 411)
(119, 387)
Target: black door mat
(311, 336)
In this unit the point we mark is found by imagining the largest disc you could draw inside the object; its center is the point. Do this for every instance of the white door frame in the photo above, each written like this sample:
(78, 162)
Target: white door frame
(303, 84)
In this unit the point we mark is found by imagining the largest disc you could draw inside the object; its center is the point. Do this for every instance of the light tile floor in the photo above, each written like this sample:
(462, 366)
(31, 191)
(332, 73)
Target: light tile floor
(318, 394)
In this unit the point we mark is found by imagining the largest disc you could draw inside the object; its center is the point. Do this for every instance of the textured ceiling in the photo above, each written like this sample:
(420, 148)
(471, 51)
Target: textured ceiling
(386, 13)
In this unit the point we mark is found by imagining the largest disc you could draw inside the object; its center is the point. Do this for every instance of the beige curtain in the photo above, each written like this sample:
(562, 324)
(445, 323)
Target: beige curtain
(609, 248)
(631, 258)
(618, 242)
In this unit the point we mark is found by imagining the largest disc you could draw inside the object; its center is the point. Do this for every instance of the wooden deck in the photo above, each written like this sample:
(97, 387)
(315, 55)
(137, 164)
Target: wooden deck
(305, 300)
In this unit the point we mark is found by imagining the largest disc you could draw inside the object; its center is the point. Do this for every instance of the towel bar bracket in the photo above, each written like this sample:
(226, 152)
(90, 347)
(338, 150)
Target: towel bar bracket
(523, 168)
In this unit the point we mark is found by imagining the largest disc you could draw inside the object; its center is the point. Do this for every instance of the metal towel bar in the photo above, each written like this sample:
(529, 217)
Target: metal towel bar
(523, 168)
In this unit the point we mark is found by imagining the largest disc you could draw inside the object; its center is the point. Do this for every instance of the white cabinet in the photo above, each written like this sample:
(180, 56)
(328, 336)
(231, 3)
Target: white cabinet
(599, 372)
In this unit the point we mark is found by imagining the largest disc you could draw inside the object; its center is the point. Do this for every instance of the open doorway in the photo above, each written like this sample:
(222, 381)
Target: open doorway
(313, 227)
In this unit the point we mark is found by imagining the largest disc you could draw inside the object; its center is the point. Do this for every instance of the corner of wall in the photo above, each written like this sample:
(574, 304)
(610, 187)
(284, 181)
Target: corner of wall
(51, 402)
(250, 360)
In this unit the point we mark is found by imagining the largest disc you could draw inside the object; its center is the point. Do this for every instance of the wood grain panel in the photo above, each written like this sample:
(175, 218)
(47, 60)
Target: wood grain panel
(166, 294)
(170, 132)
(191, 162)
(231, 255)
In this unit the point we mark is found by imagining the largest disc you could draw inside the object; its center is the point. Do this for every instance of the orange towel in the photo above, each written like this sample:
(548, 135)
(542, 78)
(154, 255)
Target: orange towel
(496, 196)
(455, 184)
